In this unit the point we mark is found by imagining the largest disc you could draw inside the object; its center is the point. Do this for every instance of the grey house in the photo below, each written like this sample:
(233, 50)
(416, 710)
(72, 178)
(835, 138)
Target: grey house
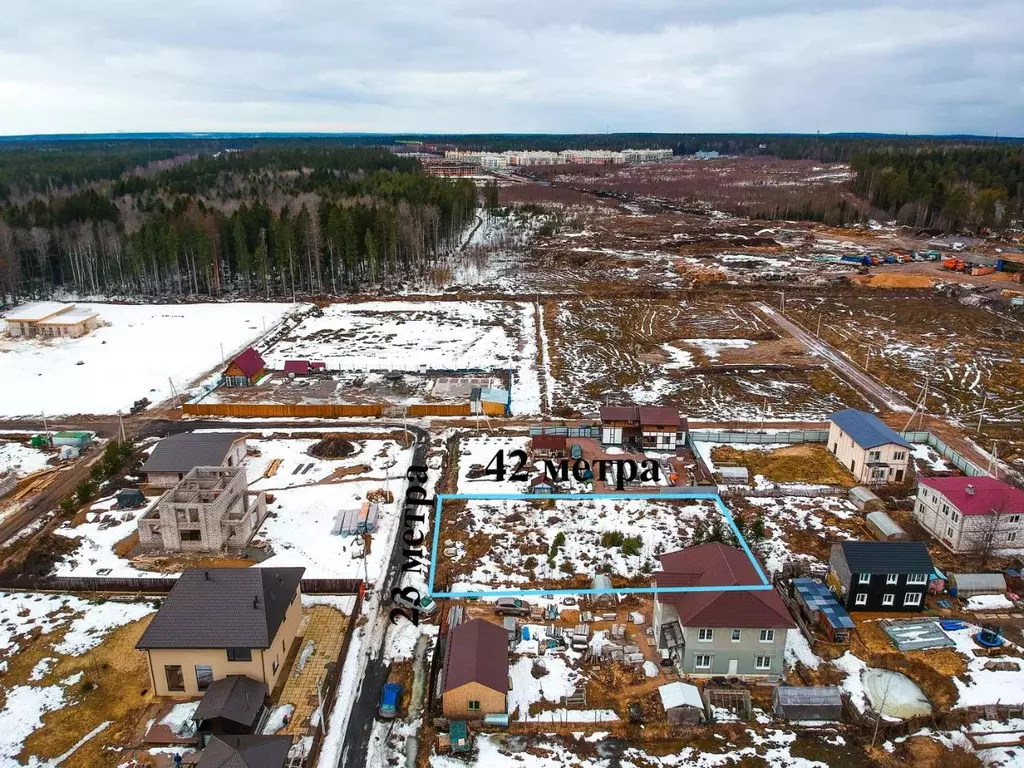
(209, 510)
(737, 634)
(176, 455)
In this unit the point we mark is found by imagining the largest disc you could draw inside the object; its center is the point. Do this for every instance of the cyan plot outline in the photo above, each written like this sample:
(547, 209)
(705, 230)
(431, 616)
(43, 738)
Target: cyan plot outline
(765, 585)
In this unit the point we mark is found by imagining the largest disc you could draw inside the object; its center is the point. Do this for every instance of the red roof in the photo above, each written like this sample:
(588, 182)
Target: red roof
(619, 413)
(717, 565)
(318, 366)
(980, 495)
(548, 442)
(659, 416)
(477, 652)
(250, 362)
(298, 367)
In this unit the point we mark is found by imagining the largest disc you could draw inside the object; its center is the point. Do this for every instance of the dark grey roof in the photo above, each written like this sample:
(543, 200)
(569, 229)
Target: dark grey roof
(225, 751)
(223, 608)
(180, 453)
(235, 698)
(887, 557)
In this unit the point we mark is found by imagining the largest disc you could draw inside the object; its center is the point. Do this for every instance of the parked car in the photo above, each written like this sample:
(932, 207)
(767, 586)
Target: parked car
(389, 700)
(512, 606)
(427, 606)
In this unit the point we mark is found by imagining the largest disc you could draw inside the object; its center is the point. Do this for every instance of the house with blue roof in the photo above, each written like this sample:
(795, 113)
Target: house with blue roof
(869, 448)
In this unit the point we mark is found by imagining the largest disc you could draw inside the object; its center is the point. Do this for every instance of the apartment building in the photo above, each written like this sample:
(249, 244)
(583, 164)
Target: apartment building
(971, 514)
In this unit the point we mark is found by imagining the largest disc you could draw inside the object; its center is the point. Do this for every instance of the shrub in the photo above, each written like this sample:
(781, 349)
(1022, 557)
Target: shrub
(566, 567)
(632, 545)
(67, 505)
(85, 491)
(611, 539)
(530, 563)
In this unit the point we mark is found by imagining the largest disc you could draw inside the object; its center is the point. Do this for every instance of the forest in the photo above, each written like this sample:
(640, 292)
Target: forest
(950, 189)
(275, 220)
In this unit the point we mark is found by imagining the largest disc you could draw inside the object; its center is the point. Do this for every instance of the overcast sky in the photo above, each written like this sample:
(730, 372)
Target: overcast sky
(923, 66)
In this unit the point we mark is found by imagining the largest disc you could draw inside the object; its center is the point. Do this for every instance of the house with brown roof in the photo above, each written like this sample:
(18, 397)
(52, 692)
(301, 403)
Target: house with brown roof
(548, 446)
(219, 622)
(656, 428)
(718, 633)
(226, 751)
(475, 671)
(245, 370)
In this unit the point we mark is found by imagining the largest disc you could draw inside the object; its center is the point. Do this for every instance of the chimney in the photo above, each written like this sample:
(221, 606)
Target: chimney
(256, 602)
(206, 575)
(969, 490)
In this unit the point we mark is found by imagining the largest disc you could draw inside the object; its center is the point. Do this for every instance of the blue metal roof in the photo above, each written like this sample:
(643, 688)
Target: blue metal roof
(866, 429)
(817, 597)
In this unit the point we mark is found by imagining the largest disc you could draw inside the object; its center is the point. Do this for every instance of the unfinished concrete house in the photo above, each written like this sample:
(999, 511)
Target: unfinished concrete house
(209, 510)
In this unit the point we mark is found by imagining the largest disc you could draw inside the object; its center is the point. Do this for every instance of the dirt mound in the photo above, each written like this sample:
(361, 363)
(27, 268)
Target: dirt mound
(333, 447)
(895, 280)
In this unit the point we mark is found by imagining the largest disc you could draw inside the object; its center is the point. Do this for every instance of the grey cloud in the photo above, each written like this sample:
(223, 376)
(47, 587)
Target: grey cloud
(512, 65)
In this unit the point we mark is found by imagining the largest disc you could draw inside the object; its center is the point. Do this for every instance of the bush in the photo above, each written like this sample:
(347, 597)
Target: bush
(566, 567)
(556, 545)
(530, 563)
(67, 505)
(632, 545)
(611, 539)
(85, 491)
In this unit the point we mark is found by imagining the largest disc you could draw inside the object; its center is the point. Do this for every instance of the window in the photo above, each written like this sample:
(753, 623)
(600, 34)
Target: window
(899, 456)
(954, 516)
(892, 578)
(191, 535)
(274, 666)
(705, 635)
(912, 598)
(736, 635)
(762, 662)
(949, 530)
(864, 578)
(473, 705)
(874, 455)
(204, 676)
(767, 636)
(945, 509)
(861, 599)
(193, 515)
(1014, 519)
(239, 654)
(917, 578)
(702, 661)
(1011, 536)
(175, 677)
(888, 599)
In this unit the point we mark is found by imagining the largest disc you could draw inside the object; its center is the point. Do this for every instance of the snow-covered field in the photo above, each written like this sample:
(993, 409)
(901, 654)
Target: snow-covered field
(410, 335)
(26, 617)
(134, 356)
(519, 529)
(20, 458)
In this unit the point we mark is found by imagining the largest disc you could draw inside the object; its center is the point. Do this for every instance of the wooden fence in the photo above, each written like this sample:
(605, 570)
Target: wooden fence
(441, 409)
(23, 582)
(290, 410)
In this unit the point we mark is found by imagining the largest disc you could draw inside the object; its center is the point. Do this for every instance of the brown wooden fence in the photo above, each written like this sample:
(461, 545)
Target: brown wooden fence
(439, 409)
(24, 582)
(290, 410)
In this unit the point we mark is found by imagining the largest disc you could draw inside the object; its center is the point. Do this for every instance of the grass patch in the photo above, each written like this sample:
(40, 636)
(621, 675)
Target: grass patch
(805, 463)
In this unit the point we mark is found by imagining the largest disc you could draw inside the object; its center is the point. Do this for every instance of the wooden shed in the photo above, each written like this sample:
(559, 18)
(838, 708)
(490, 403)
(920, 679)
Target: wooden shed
(245, 370)
(682, 703)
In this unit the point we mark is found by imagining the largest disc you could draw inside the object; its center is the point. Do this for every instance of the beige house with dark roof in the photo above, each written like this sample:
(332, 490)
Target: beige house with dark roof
(475, 671)
(220, 622)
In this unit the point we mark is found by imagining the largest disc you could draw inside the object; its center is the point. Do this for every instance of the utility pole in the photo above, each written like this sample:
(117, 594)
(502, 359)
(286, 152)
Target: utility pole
(174, 391)
(981, 415)
(222, 353)
(867, 360)
(46, 430)
(817, 332)
(120, 423)
(782, 302)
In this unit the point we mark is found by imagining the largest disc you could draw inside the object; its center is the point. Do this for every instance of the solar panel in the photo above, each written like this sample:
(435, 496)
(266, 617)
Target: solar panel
(817, 597)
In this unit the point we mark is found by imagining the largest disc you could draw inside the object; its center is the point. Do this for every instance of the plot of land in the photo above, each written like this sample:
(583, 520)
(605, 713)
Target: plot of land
(714, 362)
(547, 543)
(134, 356)
(437, 335)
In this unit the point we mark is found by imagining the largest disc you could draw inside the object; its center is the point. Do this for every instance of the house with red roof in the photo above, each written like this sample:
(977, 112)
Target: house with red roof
(971, 514)
(718, 633)
(245, 370)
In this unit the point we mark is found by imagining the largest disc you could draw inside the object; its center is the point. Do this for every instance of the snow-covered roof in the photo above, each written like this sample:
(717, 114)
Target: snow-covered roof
(70, 317)
(36, 311)
(680, 695)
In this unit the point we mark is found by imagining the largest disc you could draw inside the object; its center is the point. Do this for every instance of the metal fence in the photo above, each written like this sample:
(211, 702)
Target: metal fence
(958, 460)
(791, 436)
(587, 431)
(152, 586)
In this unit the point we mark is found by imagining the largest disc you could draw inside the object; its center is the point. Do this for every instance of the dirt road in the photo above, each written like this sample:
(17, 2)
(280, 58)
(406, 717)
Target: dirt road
(867, 384)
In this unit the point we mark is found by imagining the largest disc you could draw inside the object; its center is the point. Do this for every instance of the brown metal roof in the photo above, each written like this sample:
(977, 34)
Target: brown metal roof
(548, 442)
(228, 751)
(659, 416)
(718, 565)
(619, 413)
(235, 698)
(477, 652)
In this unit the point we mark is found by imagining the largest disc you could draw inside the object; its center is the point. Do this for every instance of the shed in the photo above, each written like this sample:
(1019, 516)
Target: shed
(245, 370)
(489, 401)
(541, 484)
(682, 703)
(971, 584)
(548, 446)
(606, 599)
(884, 528)
(80, 440)
(864, 500)
(818, 603)
(130, 498)
(298, 367)
(734, 475)
(808, 703)
(232, 704)
(458, 736)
